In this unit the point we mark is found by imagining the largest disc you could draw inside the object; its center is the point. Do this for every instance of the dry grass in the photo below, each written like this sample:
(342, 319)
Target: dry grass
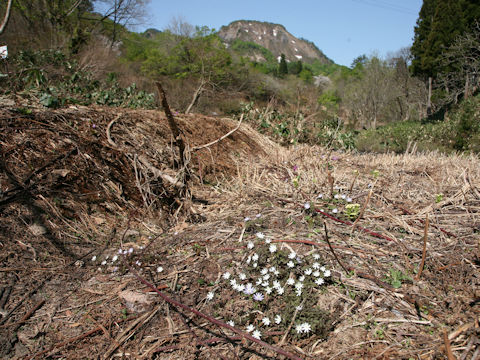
(87, 203)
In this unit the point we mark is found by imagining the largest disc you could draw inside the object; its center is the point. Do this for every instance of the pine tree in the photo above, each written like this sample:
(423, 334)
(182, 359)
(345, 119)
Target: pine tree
(283, 68)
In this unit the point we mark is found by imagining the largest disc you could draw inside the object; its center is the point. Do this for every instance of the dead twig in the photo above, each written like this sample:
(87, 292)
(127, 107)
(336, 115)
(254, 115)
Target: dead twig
(195, 148)
(448, 348)
(424, 252)
(331, 248)
(363, 210)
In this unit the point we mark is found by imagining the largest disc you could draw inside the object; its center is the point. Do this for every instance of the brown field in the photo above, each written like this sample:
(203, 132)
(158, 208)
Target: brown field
(69, 193)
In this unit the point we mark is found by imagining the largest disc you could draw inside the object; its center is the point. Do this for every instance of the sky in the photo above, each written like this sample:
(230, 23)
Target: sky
(342, 29)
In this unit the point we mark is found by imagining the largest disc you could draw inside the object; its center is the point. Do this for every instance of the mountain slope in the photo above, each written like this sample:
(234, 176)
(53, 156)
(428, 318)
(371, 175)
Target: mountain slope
(273, 37)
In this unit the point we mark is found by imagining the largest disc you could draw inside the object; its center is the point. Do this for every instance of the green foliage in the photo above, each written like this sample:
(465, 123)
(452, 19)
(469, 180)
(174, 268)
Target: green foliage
(282, 67)
(461, 132)
(395, 278)
(248, 48)
(58, 80)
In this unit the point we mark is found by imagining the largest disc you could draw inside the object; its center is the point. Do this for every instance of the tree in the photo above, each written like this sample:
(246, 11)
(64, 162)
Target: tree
(463, 60)
(40, 23)
(283, 67)
(127, 13)
(202, 59)
(439, 23)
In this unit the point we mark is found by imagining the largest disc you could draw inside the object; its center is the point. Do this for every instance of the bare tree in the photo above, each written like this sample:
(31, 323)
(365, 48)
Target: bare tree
(179, 26)
(6, 17)
(462, 59)
(128, 13)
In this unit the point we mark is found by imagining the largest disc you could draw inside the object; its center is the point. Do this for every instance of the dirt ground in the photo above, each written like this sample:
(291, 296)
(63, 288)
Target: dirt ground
(100, 258)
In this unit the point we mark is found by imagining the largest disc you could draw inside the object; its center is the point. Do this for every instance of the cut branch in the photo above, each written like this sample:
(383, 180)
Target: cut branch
(195, 148)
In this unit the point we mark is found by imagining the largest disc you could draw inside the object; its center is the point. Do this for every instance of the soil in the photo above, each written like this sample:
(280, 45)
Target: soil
(89, 224)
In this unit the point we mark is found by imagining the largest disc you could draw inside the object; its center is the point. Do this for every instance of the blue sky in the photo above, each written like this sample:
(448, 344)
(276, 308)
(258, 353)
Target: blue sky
(342, 29)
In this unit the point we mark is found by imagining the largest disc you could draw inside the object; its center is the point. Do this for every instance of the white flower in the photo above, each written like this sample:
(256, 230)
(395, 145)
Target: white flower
(319, 196)
(303, 328)
(125, 252)
(316, 256)
(120, 251)
(319, 281)
(254, 257)
(343, 196)
(337, 196)
(249, 259)
(292, 255)
(94, 257)
(316, 273)
(231, 323)
(159, 269)
(299, 308)
(278, 319)
(260, 235)
(306, 205)
(130, 250)
(233, 282)
(240, 288)
(290, 281)
(268, 290)
(257, 334)
(255, 265)
(264, 271)
(227, 275)
(250, 328)
(115, 258)
(210, 295)
(316, 265)
(268, 241)
(306, 328)
(326, 273)
(299, 286)
(322, 268)
(299, 292)
(266, 321)
(138, 263)
(335, 211)
(250, 245)
(280, 290)
(104, 262)
(272, 248)
(290, 264)
(242, 276)
(249, 289)
(301, 278)
(258, 296)
(349, 199)
(276, 273)
(258, 215)
(276, 284)
(308, 271)
(266, 276)
(259, 281)
(247, 219)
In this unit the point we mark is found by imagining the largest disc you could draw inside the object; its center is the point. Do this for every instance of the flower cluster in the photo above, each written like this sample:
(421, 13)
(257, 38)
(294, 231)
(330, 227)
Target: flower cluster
(268, 277)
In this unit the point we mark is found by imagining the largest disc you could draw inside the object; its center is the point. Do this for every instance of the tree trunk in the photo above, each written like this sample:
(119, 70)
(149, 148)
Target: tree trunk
(429, 100)
(6, 17)
(466, 87)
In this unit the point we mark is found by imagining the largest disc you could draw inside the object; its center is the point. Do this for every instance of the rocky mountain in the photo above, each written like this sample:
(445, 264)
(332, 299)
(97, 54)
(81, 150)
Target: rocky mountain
(273, 37)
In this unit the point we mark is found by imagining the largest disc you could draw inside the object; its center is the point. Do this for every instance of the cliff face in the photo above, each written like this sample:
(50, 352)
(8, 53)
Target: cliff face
(273, 37)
